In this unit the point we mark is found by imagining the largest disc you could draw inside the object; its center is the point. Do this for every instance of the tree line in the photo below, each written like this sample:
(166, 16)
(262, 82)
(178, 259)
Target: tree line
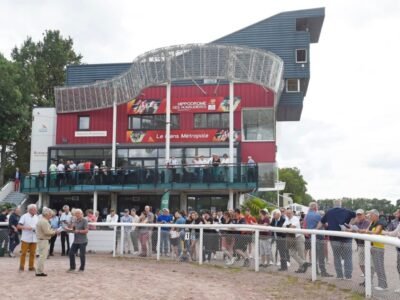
(27, 80)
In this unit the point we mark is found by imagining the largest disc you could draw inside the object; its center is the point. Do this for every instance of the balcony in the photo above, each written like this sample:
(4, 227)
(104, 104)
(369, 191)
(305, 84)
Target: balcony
(235, 176)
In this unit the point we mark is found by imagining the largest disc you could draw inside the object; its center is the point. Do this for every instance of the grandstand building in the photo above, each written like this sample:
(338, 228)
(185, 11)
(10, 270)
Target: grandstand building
(148, 127)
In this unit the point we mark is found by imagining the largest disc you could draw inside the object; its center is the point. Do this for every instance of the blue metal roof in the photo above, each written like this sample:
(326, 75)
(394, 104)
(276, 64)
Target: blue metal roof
(85, 74)
(281, 34)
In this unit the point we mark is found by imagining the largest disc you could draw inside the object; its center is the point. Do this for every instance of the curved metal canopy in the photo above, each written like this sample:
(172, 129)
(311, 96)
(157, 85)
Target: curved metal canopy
(175, 63)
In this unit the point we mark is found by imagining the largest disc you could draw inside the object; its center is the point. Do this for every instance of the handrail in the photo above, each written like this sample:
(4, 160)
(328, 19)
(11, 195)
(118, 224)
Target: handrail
(244, 227)
(176, 63)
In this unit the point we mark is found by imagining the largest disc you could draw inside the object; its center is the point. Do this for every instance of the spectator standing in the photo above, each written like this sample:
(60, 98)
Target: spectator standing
(13, 231)
(27, 223)
(280, 238)
(43, 234)
(134, 231)
(362, 224)
(17, 179)
(146, 217)
(341, 247)
(52, 174)
(312, 219)
(225, 164)
(377, 249)
(127, 218)
(164, 218)
(179, 219)
(251, 169)
(394, 230)
(60, 173)
(242, 239)
(265, 239)
(80, 229)
(65, 222)
(295, 242)
(54, 224)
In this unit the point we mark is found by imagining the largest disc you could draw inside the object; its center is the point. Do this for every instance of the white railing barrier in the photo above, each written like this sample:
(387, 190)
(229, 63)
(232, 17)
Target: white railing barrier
(256, 229)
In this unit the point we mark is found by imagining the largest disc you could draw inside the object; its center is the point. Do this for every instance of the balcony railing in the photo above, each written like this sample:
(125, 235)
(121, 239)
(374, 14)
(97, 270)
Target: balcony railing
(234, 176)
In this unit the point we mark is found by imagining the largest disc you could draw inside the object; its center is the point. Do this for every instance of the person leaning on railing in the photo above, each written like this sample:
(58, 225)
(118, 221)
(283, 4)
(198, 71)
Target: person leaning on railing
(377, 249)
(277, 221)
(395, 232)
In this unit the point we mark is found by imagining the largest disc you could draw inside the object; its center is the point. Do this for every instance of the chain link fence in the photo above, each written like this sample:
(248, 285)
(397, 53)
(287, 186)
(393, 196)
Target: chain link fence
(355, 262)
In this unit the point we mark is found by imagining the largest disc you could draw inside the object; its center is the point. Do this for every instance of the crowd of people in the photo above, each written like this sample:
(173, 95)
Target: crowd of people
(182, 243)
(199, 169)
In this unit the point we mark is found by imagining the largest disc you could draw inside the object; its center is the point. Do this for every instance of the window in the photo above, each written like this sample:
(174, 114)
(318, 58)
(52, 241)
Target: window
(292, 85)
(152, 122)
(301, 55)
(258, 124)
(207, 120)
(83, 123)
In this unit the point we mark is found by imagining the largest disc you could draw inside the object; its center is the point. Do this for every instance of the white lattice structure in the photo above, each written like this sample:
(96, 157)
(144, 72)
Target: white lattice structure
(176, 63)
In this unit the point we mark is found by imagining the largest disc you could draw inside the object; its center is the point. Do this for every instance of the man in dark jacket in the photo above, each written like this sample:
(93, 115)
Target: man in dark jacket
(280, 238)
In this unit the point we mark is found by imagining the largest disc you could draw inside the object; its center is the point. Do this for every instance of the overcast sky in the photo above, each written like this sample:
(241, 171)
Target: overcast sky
(347, 142)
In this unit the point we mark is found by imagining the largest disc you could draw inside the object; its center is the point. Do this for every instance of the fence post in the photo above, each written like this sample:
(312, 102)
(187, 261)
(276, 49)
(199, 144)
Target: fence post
(115, 241)
(368, 279)
(257, 251)
(158, 242)
(201, 246)
(313, 257)
(121, 250)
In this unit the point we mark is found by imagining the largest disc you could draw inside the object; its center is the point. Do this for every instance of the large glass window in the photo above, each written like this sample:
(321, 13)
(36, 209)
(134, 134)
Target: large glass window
(258, 124)
(152, 122)
(211, 120)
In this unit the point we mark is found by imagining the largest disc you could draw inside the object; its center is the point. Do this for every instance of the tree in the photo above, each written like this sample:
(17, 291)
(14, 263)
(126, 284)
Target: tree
(13, 113)
(48, 59)
(295, 184)
(41, 67)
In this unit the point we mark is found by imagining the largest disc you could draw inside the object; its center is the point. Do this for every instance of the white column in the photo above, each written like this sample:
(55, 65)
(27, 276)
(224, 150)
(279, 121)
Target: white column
(95, 202)
(158, 242)
(277, 180)
(231, 129)
(230, 201)
(368, 279)
(201, 246)
(40, 200)
(257, 251)
(314, 257)
(114, 132)
(168, 123)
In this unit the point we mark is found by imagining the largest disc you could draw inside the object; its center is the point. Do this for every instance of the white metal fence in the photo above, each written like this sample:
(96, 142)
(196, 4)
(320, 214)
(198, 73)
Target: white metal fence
(247, 246)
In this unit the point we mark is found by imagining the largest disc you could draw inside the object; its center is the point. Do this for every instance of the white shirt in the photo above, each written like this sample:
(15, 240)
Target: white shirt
(225, 161)
(294, 221)
(29, 236)
(60, 168)
(65, 219)
(173, 162)
(111, 219)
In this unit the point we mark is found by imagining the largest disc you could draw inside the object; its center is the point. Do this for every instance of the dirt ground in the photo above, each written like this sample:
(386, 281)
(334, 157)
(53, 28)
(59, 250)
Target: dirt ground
(129, 278)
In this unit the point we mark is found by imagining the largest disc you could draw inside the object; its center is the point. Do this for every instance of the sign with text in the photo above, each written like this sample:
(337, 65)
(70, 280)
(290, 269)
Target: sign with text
(178, 105)
(179, 136)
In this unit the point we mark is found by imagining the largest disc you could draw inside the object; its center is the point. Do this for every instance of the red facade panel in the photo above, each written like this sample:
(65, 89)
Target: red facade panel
(260, 151)
(101, 120)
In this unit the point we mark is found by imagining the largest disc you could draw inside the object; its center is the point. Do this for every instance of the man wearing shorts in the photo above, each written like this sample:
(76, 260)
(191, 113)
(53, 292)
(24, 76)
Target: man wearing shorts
(265, 239)
(242, 239)
(362, 223)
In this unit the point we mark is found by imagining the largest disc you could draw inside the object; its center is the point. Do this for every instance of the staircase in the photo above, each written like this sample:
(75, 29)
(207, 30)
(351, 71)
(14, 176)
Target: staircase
(15, 198)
